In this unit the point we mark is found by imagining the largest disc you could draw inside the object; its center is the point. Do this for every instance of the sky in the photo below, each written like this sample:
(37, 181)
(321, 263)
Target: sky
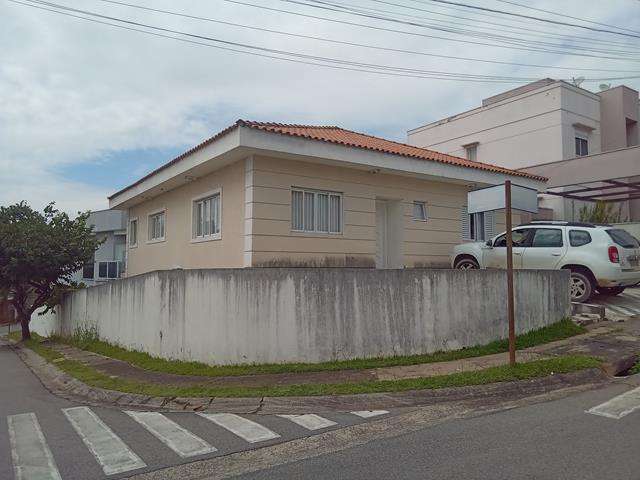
(88, 108)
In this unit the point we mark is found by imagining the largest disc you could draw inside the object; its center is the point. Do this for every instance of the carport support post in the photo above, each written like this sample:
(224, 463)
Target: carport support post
(510, 306)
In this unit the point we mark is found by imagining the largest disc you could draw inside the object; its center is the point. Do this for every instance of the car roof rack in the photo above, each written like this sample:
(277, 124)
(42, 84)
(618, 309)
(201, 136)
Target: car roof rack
(565, 224)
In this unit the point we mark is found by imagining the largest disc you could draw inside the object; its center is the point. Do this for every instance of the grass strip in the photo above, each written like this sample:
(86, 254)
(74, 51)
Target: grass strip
(505, 373)
(557, 331)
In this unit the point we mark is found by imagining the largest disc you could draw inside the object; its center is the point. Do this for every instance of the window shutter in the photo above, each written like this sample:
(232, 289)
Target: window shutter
(466, 227)
(489, 225)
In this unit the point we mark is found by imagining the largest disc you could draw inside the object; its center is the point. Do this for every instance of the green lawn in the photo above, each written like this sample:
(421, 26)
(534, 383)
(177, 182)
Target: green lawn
(563, 329)
(504, 373)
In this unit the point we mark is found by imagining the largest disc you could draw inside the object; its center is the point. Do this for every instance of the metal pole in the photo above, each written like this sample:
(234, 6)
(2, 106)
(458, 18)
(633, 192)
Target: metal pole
(510, 307)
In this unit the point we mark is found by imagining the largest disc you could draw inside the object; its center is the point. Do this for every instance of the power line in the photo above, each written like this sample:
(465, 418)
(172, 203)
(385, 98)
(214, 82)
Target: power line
(530, 17)
(564, 15)
(509, 40)
(510, 26)
(416, 34)
(280, 54)
(355, 44)
(272, 53)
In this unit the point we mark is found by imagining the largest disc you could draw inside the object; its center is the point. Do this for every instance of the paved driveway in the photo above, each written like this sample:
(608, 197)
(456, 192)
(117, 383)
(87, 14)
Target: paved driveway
(627, 304)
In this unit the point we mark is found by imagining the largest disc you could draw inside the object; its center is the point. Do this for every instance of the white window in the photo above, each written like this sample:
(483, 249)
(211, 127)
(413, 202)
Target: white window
(111, 269)
(420, 211)
(133, 232)
(477, 226)
(206, 217)
(313, 211)
(156, 226)
(471, 151)
(582, 146)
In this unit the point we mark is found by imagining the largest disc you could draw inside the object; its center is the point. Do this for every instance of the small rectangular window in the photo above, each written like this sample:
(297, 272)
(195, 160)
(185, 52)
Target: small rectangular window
(578, 238)
(103, 269)
(420, 211)
(206, 217)
(156, 226)
(471, 152)
(582, 146)
(133, 232)
(313, 211)
(476, 226)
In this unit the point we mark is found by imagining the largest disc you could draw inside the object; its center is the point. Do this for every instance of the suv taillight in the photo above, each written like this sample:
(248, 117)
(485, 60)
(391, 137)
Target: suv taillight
(614, 256)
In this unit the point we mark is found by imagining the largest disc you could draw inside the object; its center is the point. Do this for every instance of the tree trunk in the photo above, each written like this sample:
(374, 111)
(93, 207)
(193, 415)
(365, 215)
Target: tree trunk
(24, 323)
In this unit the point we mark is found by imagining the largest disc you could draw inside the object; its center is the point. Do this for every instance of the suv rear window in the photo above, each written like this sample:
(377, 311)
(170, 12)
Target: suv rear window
(578, 238)
(623, 238)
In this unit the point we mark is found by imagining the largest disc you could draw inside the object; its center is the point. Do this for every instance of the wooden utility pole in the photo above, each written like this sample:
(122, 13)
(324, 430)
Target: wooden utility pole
(510, 299)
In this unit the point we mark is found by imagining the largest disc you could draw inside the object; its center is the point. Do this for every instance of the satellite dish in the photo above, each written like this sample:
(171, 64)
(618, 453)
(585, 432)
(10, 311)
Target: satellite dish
(604, 86)
(577, 81)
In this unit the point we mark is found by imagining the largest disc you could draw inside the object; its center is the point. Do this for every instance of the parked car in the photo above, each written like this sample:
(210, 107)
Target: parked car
(601, 258)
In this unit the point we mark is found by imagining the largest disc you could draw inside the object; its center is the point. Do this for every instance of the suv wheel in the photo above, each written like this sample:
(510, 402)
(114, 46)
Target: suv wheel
(611, 290)
(467, 263)
(581, 287)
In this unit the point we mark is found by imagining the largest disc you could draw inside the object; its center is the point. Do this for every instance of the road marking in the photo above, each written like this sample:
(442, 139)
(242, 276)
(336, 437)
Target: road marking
(112, 453)
(370, 413)
(620, 309)
(246, 429)
(632, 293)
(174, 436)
(32, 459)
(619, 406)
(310, 421)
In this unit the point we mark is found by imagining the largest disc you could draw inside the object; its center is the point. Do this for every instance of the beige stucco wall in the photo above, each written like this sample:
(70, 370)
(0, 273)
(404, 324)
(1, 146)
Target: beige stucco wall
(178, 251)
(256, 219)
(423, 243)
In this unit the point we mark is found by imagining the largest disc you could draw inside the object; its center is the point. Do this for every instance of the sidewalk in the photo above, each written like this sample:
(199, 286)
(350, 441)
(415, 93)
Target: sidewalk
(616, 343)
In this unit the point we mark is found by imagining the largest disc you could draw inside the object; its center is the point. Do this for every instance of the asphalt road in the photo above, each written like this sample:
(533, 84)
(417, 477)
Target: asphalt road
(553, 440)
(44, 437)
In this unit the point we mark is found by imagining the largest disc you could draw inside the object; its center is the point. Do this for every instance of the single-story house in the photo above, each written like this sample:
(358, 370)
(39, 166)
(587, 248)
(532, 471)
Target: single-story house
(268, 194)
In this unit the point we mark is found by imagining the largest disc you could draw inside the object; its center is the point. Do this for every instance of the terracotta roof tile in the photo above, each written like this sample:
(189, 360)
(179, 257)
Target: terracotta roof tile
(348, 138)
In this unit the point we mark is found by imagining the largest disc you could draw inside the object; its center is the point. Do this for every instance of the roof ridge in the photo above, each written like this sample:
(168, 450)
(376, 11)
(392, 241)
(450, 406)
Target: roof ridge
(252, 123)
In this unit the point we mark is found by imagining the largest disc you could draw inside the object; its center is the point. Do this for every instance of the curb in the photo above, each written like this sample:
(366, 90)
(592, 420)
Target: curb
(64, 385)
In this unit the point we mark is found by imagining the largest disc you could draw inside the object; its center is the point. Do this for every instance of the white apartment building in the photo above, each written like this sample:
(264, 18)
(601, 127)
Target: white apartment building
(548, 126)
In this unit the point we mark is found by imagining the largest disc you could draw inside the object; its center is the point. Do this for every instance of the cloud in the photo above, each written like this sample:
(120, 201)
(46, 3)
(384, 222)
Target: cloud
(76, 93)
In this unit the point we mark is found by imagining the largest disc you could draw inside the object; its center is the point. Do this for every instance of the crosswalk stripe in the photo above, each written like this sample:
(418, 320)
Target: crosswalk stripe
(619, 309)
(633, 292)
(619, 406)
(110, 451)
(246, 429)
(310, 421)
(369, 413)
(32, 459)
(174, 436)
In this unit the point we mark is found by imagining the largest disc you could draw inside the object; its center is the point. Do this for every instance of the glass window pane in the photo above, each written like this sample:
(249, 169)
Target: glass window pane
(309, 214)
(215, 214)
(297, 222)
(113, 269)
(322, 205)
(419, 211)
(102, 269)
(335, 214)
(88, 271)
(547, 237)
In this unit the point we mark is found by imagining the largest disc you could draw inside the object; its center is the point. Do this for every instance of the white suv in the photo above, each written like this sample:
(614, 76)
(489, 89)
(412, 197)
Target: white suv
(601, 258)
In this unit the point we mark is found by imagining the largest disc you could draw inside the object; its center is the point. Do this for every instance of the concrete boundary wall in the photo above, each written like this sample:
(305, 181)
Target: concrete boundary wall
(231, 316)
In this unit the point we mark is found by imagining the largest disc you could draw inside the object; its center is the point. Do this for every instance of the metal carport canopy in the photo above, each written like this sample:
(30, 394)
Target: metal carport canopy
(612, 176)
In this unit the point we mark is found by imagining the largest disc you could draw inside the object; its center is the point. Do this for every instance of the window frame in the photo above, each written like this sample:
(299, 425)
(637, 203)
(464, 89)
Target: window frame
(423, 205)
(93, 269)
(528, 238)
(119, 270)
(194, 202)
(471, 151)
(161, 211)
(315, 231)
(137, 223)
(535, 231)
(579, 231)
(474, 223)
(578, 138)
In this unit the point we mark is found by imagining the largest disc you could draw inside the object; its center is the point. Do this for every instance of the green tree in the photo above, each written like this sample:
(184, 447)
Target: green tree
(39, 252)
(601, 212)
